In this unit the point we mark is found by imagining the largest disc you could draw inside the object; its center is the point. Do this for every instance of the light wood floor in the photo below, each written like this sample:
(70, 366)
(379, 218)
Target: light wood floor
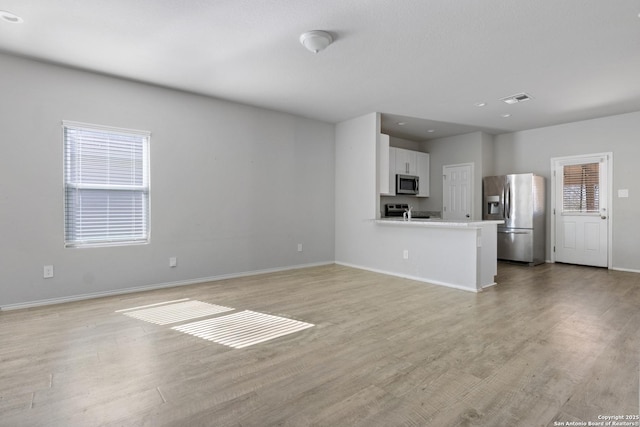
(552, 343)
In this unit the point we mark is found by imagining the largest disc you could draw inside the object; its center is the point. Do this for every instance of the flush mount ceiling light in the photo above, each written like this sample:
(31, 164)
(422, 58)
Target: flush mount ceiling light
(401, 123)
(518, 97)
(316, 40)
(10, 17)
(480, 104)
(505, 115)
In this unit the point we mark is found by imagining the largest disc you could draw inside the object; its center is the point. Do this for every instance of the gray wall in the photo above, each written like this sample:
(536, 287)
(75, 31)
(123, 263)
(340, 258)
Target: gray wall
(234, 188)
(407, 144)
(531, 151)
(473, 148)
(356, 198)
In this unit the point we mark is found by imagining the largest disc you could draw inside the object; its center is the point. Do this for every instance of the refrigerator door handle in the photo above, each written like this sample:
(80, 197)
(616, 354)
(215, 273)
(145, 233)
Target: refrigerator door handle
(512, 232)
(507, 202)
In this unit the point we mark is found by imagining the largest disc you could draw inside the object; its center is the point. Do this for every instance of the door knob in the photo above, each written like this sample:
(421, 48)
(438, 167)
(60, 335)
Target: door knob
(603, 217)
(468, 216)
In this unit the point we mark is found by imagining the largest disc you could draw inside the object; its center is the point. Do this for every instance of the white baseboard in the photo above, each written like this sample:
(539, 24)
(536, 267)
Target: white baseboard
(407, 276)
(72, 298)
(629, 270)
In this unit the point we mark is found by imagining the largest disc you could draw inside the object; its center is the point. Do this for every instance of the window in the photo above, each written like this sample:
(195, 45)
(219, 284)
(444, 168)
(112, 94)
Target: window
(106, 179)
(581, 188)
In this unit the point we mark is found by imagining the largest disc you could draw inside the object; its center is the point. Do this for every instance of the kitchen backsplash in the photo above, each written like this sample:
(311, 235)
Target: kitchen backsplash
(419, 214)
(430, 214)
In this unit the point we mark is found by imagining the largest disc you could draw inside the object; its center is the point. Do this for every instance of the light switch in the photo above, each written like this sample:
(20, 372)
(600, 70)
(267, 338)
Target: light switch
(173, 261)
(623, 193)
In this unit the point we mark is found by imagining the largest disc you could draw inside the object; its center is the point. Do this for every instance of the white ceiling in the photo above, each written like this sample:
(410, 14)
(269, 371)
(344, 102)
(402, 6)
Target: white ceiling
(431, 60)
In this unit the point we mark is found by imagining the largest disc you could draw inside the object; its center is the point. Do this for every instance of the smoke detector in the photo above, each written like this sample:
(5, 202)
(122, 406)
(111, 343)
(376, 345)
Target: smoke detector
(514, 99)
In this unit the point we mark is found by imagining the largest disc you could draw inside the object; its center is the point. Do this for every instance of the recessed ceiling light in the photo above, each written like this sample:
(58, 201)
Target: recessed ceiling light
(480, 104)
(10, 17)
(401, 123)
(431, 130)
(505, 115)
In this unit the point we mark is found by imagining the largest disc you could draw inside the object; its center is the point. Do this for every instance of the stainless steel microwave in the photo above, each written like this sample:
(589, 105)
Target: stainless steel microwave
(407, 184)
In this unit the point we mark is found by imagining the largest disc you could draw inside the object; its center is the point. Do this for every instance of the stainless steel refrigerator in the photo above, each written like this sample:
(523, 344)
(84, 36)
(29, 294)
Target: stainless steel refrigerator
(519, 200)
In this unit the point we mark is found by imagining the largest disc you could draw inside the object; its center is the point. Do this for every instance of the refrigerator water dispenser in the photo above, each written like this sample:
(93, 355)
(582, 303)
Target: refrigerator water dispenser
(493, 205)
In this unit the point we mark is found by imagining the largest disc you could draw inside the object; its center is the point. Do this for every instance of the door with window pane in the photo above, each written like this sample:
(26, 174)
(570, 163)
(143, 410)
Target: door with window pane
(581, 212)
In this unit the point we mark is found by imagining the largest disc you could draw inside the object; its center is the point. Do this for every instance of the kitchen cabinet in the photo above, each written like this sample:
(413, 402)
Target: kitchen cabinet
(422, 165)
(406, 161)
(386, 180)
(391, 172)
(392, 161)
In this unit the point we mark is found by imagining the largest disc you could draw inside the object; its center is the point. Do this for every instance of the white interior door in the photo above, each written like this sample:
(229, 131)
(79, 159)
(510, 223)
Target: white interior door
(457, 191)
(581, 210)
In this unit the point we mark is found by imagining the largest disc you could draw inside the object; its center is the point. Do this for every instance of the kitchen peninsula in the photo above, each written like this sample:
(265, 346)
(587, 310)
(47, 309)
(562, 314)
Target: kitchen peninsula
(458, 254)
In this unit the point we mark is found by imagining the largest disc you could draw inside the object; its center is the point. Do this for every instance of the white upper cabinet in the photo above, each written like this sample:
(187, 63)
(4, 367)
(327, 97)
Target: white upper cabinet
(423, 173)
(406, 162)
(394, 161)
(386, 184)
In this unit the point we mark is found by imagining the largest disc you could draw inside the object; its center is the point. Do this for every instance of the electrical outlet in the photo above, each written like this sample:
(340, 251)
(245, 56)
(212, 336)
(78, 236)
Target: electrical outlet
(173, 261)
(405, 254)
(299, 247)
(47, 272)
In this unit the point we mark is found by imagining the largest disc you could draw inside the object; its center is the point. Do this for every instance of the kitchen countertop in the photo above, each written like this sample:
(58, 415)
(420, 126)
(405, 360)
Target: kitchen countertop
(436, 222)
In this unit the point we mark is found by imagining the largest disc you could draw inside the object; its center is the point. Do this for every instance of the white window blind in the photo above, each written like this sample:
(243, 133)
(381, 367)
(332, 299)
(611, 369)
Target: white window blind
(106, 176)
(581, 188)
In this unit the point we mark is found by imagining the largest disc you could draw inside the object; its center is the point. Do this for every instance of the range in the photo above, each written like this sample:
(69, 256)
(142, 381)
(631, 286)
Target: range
(397, 209)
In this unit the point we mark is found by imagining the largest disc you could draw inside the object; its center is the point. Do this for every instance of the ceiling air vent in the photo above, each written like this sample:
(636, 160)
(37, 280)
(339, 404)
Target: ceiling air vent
(514, 99)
